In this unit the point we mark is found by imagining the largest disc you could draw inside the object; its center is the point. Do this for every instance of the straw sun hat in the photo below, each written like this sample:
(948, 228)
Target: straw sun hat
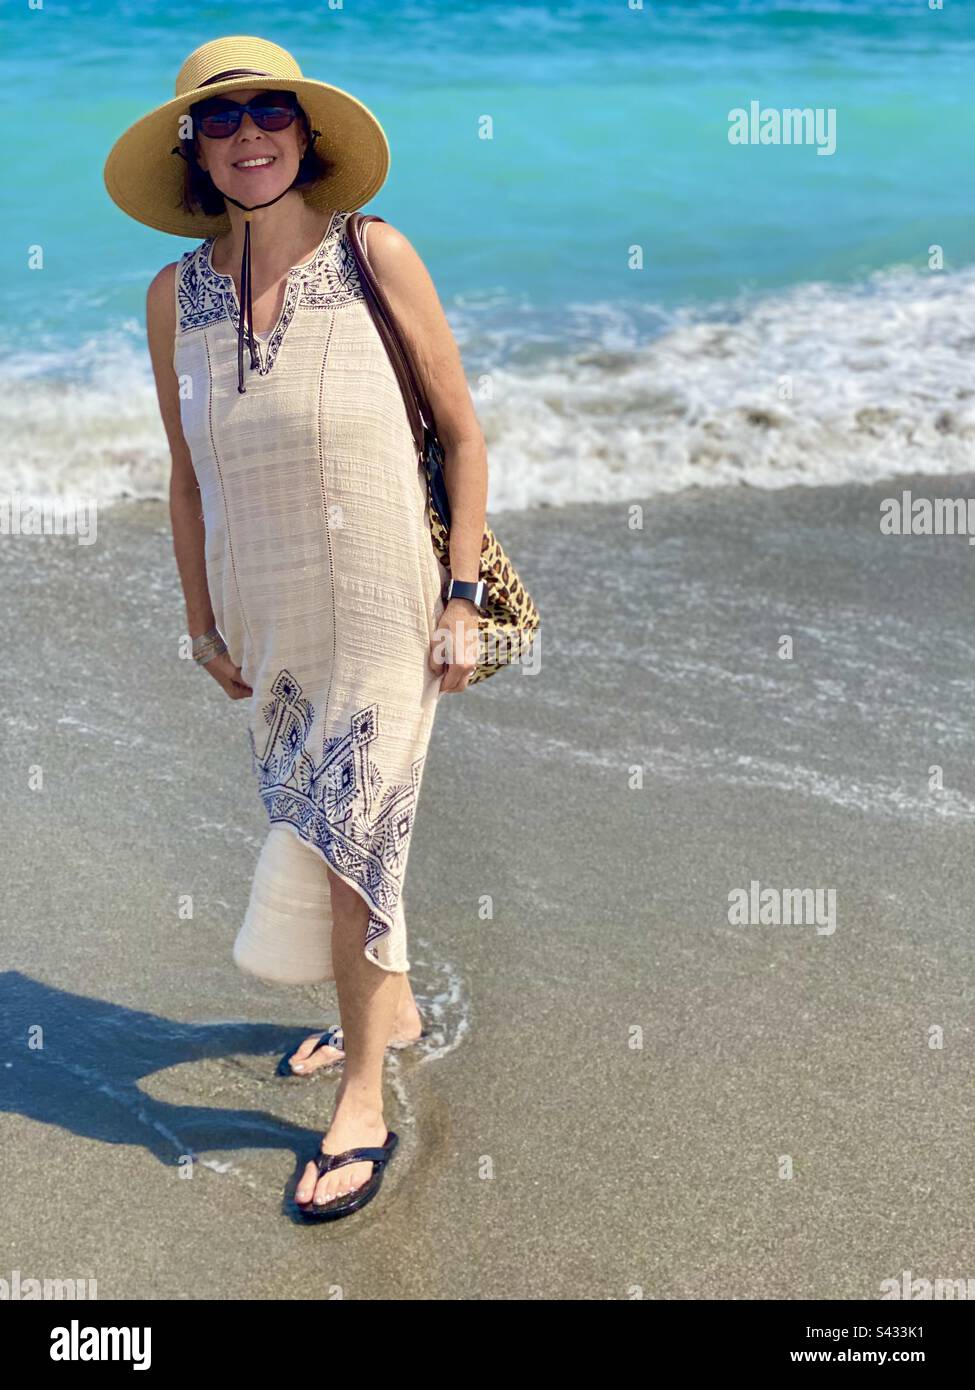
(146, 179)
(145, 176)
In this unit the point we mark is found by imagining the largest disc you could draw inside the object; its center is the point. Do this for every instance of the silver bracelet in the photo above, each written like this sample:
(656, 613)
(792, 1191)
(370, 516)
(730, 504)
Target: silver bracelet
(208, 654)
(207, 646)
(204, 638)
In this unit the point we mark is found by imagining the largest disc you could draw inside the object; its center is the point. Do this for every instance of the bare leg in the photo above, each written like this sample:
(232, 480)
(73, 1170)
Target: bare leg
(407, 1027)
(368, 1000)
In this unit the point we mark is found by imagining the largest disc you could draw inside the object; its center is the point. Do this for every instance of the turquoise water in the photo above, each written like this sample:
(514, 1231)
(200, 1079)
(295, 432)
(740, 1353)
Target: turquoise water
(610, 130)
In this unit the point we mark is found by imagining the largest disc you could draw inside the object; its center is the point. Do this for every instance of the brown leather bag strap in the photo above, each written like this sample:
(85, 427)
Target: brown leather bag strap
(417, 406)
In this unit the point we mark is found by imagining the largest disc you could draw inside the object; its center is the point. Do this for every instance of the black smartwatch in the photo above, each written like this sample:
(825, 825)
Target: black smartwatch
(467, 588)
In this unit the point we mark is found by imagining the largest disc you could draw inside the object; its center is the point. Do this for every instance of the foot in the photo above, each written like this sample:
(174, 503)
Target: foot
(407, 1027)
(354, 1126)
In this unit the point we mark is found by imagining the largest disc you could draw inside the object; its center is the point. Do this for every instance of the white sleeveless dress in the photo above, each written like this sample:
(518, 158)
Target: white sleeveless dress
(325, 587)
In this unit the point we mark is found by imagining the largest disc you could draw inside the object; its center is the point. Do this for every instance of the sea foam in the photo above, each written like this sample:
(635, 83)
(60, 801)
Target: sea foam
(817, 385)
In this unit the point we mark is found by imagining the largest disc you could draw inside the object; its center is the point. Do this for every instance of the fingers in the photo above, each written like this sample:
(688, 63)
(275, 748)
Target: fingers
(461, 638)
(229, 677)
(231, 687)
(456, 679)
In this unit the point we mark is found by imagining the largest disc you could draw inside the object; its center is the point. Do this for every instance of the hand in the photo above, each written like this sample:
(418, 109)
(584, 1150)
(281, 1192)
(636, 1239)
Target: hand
(456, 640)
(227, 675)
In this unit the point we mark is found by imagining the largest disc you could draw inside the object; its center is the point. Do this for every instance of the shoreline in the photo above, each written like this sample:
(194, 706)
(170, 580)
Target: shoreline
(606, 1005)
(894, 483)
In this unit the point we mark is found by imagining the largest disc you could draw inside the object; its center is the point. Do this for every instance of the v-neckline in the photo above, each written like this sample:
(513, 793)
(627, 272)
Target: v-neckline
(267, 346)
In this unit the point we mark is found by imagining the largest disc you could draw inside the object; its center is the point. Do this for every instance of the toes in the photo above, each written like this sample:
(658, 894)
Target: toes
(305, 1058)
(320, 1190)
(341, 1182)
(331, 1186)
(307, 1047)
(306, 1187)
(326, 1190)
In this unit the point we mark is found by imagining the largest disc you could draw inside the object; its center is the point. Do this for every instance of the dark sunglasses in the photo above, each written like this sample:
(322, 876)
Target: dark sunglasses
(268, 111)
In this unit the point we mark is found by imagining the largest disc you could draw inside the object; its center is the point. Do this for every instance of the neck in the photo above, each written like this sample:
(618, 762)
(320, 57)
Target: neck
(282, 235)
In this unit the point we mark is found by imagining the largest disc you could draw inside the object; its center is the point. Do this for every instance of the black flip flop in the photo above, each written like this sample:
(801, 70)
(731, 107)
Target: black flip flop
(334, 1037)
(339, 1206)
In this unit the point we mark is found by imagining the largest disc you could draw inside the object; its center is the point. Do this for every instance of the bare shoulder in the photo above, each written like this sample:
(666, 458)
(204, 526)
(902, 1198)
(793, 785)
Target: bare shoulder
(161, 296)
(423, 323)
(397, 264)
(160, 333)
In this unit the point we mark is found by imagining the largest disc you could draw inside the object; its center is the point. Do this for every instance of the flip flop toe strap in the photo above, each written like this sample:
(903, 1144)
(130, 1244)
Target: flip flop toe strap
(325, 1162)
(332, 1037)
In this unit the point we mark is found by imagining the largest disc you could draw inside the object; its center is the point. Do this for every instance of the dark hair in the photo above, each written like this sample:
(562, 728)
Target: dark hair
(200, 193)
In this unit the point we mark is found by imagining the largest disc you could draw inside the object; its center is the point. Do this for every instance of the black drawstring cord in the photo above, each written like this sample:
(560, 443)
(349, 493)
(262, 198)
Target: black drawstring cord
(246, 309)
(245, 318)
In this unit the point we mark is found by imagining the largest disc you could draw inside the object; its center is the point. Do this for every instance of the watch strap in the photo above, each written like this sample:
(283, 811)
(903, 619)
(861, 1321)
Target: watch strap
(468, 588)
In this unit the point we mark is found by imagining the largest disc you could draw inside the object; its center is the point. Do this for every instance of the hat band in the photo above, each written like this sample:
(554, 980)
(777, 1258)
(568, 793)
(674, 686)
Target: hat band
(236, 72)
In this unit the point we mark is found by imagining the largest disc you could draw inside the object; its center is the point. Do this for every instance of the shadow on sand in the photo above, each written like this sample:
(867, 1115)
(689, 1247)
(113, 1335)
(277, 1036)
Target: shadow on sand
(85, 1076)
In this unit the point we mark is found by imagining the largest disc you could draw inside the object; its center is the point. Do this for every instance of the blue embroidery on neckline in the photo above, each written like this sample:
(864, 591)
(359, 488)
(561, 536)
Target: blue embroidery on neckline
(329, 280)
(341, 805)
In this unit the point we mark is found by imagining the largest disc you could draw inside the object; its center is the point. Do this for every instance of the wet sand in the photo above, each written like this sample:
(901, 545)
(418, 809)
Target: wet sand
(623, 1091)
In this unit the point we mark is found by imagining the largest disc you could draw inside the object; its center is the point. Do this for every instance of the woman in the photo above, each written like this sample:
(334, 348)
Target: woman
(300, 529)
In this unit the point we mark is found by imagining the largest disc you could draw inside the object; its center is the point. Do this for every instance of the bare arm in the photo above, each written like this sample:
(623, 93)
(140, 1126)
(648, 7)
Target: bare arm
(420, 316)
(186, 513)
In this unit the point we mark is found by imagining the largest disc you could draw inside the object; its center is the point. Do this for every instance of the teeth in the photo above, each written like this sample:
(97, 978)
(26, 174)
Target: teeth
(254, 163)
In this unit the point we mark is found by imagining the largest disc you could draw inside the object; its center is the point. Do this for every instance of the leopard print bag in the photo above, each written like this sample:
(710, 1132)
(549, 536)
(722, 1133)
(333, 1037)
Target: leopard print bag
(508, 627)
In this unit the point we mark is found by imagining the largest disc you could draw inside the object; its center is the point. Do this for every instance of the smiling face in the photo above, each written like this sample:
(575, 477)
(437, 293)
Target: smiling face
(252, 165)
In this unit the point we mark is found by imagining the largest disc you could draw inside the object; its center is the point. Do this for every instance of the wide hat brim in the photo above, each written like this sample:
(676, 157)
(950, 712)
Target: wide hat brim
(146, 180)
